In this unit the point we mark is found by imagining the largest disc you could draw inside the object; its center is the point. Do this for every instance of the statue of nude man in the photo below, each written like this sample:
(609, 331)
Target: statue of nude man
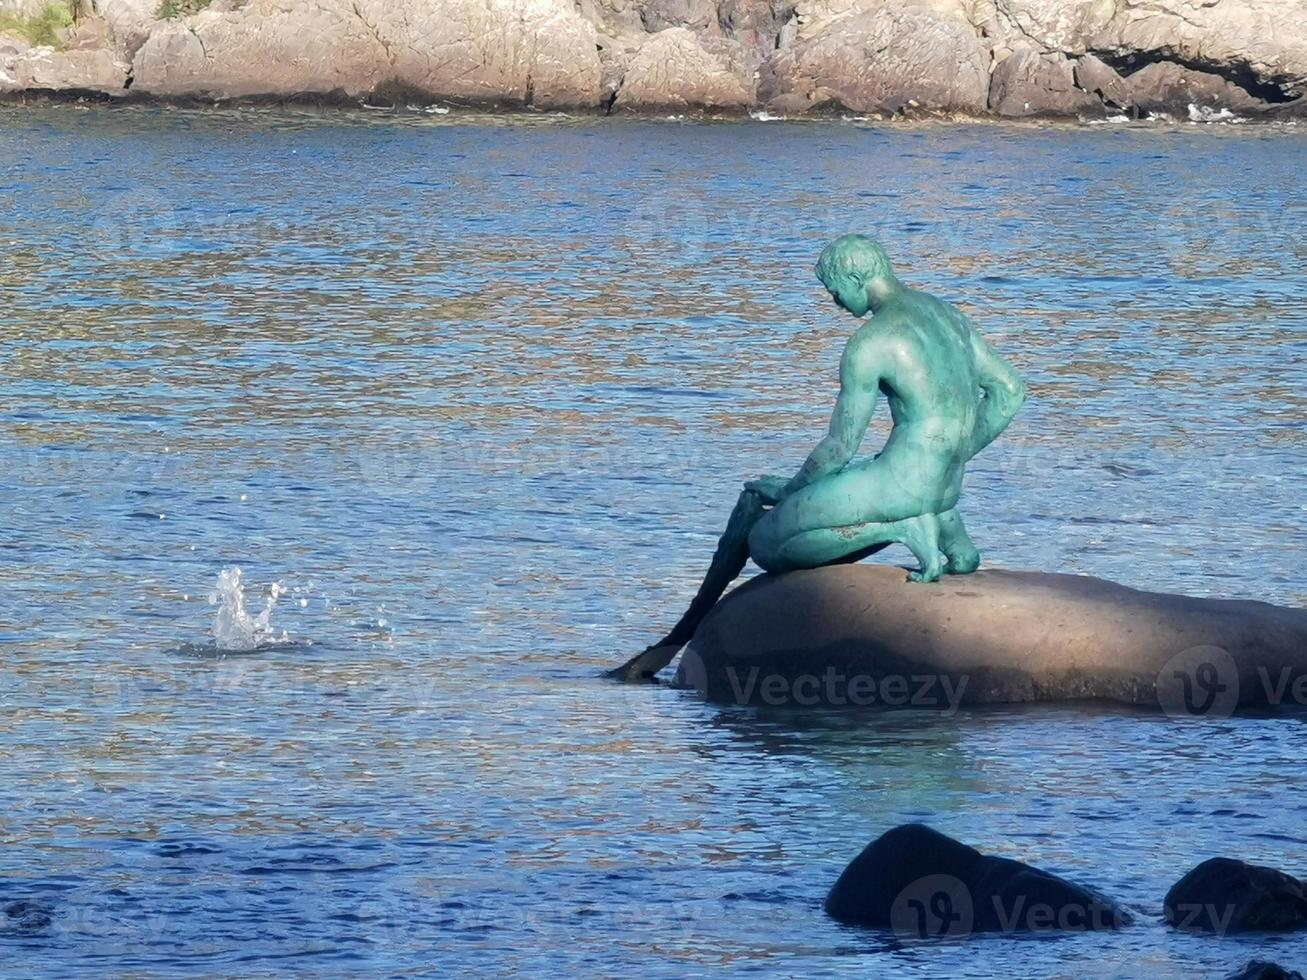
(950, 395)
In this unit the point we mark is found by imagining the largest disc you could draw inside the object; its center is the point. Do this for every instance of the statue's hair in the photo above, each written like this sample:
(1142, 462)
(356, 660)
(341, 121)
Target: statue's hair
(854, 254)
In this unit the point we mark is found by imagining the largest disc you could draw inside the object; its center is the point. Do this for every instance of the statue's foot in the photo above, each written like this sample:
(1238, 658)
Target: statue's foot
(921, 535)
(930, 573)
(962, 561)
(963, 558)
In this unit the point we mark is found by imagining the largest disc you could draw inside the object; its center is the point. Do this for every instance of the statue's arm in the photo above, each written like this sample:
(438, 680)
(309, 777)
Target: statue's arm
(860, 376)
(1004, 393)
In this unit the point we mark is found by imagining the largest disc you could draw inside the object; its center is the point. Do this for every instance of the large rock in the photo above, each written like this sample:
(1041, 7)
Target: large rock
(529, 52)
(1028, 82)
(699, 16)
(862, 634)
(1011, 57)
(1102, 81)
(675, 68)
(130, 22)
(884, 59)
(1165, 87)
(24, 68)
(1068, 26)
(1263, 40)
(1224, 895)
(920, 883)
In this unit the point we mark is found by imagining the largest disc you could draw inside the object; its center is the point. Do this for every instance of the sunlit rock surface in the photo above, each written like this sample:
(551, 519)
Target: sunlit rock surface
(862, 635)
(524, 52)
(884, 59)
(676, 68)
(1002, 57)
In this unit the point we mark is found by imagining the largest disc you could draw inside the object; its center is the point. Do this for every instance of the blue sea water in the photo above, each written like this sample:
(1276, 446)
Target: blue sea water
(473, 396)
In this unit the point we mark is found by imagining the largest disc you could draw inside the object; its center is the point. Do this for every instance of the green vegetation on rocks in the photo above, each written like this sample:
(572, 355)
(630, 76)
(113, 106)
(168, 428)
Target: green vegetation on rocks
(41, 29)
(174, 9)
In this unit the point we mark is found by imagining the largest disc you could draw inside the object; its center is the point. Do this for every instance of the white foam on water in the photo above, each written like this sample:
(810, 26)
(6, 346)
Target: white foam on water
(1206, 114)
(234, 629)
(762, 115)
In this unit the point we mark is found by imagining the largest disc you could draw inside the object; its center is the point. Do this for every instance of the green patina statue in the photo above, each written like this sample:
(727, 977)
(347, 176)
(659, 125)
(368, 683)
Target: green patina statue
(950, 395)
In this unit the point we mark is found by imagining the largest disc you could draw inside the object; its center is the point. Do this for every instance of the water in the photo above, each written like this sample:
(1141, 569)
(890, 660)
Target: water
(235, 629)
(476, 395)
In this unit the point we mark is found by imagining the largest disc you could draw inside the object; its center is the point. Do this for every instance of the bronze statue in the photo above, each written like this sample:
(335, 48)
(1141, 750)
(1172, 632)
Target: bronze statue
(950, 395)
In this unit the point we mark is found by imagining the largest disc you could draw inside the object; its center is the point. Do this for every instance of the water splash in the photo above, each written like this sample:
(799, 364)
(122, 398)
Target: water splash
(234, 628)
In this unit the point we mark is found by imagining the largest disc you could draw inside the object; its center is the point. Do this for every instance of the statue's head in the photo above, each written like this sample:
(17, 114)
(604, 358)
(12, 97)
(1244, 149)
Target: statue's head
(854, 268)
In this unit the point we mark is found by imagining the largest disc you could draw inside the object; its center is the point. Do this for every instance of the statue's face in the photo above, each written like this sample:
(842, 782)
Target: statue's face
(849, 294)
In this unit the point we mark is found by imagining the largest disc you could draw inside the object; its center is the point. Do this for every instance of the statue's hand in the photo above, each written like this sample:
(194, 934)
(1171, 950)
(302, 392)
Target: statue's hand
(769, 488)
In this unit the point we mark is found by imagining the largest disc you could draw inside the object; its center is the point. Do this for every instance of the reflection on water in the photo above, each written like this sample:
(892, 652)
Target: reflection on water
(478, 396)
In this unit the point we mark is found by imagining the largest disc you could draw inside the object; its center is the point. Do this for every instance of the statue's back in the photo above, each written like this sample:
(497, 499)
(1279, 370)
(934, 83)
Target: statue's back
(935, 392)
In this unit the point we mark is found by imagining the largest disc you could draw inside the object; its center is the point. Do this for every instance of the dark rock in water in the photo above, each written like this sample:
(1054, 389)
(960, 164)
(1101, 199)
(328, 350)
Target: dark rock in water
(1262, 970)
(1224, 895)
(27, 916)
(919, 882)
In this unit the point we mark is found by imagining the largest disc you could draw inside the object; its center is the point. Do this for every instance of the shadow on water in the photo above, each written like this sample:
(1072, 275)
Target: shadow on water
(211, 651)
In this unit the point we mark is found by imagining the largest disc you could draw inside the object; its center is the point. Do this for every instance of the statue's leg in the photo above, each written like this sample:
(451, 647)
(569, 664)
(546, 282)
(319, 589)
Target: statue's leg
(829, 545)
(727, 563)
(958, 548)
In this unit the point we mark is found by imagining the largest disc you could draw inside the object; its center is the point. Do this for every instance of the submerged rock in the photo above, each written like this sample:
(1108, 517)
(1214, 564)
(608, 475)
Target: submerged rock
(1264, 970)
(1223, 895)
(919, 882)
(28, 916)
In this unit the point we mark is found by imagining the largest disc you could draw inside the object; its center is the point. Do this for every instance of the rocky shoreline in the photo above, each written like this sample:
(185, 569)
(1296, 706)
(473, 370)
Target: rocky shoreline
(1059, 59)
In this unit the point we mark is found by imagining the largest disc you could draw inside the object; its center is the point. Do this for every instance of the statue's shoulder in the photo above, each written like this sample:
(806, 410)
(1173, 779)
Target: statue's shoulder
(868, 338)
(875, 347)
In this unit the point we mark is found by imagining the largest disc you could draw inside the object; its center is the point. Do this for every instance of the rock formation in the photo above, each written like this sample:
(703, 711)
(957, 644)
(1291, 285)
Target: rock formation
(1014, 58)
(922, 884)
(861, 635)
(1223, 895)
